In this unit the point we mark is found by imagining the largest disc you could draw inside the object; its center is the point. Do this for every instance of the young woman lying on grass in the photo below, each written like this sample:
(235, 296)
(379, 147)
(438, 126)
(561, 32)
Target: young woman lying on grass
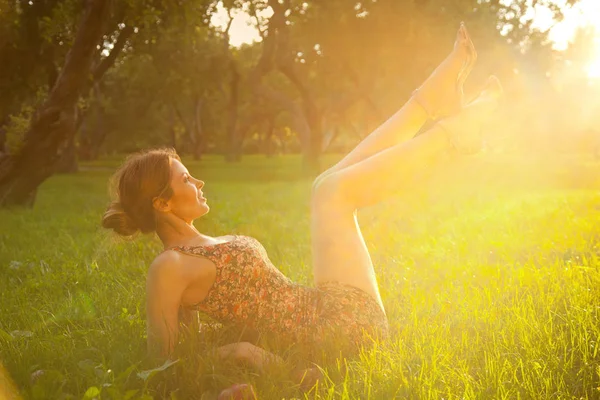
(231, 278)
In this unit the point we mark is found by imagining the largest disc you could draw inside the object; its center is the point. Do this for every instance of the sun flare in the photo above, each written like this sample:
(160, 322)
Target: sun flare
(593, 70)
(584, 14)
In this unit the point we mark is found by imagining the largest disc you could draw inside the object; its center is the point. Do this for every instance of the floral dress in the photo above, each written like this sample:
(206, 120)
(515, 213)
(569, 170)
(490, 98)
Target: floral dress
(250, 291)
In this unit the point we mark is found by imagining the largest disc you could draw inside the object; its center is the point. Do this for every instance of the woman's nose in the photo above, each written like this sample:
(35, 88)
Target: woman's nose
(200, 183)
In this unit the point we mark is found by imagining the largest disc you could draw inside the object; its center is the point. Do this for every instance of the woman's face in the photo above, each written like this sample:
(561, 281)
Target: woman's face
(187, 201)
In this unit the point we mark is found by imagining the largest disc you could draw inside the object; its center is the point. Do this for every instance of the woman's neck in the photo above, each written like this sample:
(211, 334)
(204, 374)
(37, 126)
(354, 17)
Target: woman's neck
(178, 234)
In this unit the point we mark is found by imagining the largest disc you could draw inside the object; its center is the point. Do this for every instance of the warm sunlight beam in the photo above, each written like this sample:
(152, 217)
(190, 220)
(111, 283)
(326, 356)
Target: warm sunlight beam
(584, 13)
(594, 70)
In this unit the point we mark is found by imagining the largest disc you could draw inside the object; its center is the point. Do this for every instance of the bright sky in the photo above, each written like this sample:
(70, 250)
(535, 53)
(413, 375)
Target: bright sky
(586, 12)
(242, 29)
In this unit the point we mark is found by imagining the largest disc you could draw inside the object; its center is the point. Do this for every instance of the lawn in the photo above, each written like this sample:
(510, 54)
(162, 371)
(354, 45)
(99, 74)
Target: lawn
(489, 274)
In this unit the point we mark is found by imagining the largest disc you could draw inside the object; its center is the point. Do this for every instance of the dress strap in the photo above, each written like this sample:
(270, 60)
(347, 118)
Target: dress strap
(198, 251)
(201, 247)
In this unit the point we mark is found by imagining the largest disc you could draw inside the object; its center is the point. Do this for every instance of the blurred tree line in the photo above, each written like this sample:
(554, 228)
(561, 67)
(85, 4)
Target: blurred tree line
(83, 79)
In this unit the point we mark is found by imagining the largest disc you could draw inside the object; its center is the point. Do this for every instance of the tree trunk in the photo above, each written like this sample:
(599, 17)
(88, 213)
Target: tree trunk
(172, 132)
(53, 124)
(268, 146)
(92, 132)
(234, 145)
(2, 138)
(198, 132)
(193, 129)
(282, 140)
(312, 165)
(311, 161)
(68, 162)
(313, 120)
(329, 138)
(306, 117)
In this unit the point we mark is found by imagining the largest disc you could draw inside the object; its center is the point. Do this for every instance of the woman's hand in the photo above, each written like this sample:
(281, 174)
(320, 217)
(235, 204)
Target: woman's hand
(250, 354)
(262, 360)
(239, 391)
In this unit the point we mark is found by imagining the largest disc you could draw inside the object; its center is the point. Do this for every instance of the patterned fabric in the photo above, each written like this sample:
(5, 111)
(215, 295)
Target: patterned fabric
(250, 291)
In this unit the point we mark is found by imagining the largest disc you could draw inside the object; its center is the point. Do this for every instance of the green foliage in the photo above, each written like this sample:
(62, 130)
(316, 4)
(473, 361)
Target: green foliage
(18, 124)
(17, 128)
(490, 277)
(355, 62)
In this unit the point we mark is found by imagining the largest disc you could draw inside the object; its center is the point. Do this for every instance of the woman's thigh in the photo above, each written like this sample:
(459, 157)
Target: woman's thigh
(339, 250)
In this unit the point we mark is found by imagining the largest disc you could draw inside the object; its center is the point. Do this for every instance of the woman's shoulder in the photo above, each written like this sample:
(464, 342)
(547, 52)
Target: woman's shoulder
(173, 263)
(168, 260)
(167, 257)
(176, 255)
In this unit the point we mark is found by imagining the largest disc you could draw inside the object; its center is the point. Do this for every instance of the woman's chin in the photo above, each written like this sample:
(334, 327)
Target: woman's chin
(204, 208)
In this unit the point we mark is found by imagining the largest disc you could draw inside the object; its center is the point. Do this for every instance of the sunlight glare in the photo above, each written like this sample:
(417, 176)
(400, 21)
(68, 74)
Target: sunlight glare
(243, 29)
(561, 33)
(594, 70)
(583, 13)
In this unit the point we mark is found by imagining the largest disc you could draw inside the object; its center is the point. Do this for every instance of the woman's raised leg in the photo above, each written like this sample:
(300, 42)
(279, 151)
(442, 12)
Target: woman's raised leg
(339, 250)
(439, 95)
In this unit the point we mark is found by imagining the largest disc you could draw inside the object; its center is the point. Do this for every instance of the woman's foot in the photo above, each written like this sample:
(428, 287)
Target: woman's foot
(442, 93)
(464, 130)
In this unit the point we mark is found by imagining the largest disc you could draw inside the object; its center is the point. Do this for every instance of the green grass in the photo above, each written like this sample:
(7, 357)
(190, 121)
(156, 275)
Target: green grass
(490, 277)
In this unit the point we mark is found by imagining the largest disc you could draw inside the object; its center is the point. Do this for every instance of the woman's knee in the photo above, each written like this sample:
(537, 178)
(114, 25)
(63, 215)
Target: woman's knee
(321, 177)
(326, 191)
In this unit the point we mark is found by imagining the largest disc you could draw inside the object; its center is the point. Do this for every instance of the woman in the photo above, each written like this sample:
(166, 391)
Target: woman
(231, 278)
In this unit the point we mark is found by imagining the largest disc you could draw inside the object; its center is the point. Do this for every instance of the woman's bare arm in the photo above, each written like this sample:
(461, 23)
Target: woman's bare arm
(189, 318)
(165, 285)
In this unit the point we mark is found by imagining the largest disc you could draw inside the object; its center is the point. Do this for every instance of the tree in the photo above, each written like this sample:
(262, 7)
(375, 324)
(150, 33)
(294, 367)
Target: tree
(325, 72)
(53, 123)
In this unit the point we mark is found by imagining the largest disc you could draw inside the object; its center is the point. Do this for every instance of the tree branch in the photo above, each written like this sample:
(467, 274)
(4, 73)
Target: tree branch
(253, 14)
(109, 61)
(78, 61)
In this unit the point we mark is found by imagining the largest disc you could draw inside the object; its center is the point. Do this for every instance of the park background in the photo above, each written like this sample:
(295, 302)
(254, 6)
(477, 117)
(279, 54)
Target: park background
(488, 271)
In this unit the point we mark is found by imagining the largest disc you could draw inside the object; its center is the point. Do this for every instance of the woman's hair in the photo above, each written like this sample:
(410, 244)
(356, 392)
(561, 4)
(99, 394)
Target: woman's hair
(142, 177)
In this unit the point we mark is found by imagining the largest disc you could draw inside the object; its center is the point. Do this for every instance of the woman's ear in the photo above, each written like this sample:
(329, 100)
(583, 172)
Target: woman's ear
(161, 204)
